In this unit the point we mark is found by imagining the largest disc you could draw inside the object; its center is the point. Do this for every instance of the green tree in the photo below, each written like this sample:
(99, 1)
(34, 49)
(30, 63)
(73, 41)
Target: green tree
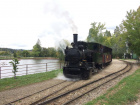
(51, 52)
(95, 33)
(6, 53)
(60, 48)
(37, 49)
(19, 53)
(132, 26)
(107, 33)
(44, 52)
(117, 42)
(60, 54)
(14, 64)
(107, 41)
(15, 55)
(117, 31)
(25, 53)
(114, 41)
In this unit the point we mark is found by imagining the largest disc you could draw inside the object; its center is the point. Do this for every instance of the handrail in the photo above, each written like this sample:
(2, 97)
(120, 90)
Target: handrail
(30, 68)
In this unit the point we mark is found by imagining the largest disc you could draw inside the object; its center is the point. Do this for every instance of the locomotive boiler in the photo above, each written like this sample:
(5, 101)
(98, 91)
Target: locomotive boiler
(85, 58)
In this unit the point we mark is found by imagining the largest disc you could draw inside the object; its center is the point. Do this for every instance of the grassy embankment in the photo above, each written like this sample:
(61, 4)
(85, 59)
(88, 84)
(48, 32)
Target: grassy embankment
(123, 93)
(9, 83)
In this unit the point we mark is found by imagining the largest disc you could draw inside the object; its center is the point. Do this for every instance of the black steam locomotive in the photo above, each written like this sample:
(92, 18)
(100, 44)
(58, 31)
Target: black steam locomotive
(85, 58)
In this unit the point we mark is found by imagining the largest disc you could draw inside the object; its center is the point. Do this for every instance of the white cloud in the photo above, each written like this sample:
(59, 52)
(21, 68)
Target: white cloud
(22, 22)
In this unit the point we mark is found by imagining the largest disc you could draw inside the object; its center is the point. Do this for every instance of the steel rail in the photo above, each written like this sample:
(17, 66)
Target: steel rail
(34, 103)
(97, 86)
(52, 99)
(10, 103)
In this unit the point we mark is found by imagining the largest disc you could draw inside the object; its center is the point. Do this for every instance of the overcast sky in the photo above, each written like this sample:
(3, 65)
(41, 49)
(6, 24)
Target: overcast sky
(23, 22)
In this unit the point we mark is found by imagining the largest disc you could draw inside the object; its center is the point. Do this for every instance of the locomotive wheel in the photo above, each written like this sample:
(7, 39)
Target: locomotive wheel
(101, 66)
(87, 75)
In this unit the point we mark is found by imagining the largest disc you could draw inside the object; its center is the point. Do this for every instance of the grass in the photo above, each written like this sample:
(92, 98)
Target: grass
(123, 93)
(8, 83)
(6, 58)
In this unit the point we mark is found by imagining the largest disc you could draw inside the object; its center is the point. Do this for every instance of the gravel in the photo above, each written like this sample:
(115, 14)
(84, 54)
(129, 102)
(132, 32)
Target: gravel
(13, 94)
(85, 89)
(103, 89)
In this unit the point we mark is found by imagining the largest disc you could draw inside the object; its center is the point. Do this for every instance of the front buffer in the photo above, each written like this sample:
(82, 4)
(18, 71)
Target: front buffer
(73, 72)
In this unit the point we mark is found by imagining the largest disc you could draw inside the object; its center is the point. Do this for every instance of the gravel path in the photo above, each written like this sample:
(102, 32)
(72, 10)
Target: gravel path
(74, 94)
(13, 94)
(103, 89)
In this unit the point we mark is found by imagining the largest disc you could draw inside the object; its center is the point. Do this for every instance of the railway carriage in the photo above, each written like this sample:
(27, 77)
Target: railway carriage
(85, 58)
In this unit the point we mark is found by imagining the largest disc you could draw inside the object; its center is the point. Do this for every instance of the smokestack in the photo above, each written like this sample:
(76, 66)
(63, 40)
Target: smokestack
(75, 38)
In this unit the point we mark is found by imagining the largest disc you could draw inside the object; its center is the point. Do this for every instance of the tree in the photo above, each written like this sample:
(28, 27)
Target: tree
(37, 49)
(60, 54)
(115, 41)
(44, 52)
(117, 31)
(15, 55)
(25, 53)
(60, 48)
(107, 33)
(5, 53)
(132, 26)
(51, 52)
(95, 33)
(14, 64)
(19, 53)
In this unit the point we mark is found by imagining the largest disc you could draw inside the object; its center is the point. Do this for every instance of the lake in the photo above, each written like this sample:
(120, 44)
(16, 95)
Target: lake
(29, 66)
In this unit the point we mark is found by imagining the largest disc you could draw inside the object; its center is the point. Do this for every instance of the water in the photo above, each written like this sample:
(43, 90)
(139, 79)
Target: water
(28, 61)
(28, 66)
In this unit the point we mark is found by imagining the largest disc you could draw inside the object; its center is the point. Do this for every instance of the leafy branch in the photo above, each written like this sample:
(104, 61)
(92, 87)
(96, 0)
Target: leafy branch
(14, 64)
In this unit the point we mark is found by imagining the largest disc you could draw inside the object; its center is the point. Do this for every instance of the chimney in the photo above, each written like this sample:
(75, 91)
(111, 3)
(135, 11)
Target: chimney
(75, 38)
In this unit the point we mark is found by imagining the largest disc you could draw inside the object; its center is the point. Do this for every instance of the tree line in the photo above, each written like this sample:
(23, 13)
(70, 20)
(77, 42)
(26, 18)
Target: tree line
(57, 52)
(37, 51)
(126, 36)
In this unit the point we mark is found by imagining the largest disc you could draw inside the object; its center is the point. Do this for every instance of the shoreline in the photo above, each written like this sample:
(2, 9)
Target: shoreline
(49, 58)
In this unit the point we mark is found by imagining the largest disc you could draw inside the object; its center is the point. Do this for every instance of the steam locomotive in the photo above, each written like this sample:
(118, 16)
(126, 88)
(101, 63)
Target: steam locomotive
(85, 59)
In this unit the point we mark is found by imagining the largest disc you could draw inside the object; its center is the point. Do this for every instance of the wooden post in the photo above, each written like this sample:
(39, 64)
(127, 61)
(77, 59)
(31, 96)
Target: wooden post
(26, 69)
(46, 67)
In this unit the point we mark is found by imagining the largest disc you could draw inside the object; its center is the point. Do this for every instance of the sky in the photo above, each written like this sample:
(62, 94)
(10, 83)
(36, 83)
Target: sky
(23, 22)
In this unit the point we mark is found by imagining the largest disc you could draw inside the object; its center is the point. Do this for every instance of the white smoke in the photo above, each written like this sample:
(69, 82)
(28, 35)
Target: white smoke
(63, 44)
(56, 10)
(59, 25)
(62, 77)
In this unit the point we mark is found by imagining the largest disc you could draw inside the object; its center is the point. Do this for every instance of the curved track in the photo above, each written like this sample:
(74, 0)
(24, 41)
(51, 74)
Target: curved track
(72, 95)
(66, 92)
(28, 96)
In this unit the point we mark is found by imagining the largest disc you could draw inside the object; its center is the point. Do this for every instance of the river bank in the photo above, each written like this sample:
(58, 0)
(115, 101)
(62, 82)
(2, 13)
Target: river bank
(10, 58)
(10, 83)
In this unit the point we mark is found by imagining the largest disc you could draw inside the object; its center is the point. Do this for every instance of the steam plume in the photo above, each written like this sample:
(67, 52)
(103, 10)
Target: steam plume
(56, 10)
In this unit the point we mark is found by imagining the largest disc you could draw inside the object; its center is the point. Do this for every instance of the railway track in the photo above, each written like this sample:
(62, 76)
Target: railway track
(60, 86)
(69, 96)
(66, 92)
(98, 86)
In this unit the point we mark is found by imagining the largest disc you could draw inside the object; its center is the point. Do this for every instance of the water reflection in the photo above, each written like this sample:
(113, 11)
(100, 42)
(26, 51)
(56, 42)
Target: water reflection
(28, 66)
